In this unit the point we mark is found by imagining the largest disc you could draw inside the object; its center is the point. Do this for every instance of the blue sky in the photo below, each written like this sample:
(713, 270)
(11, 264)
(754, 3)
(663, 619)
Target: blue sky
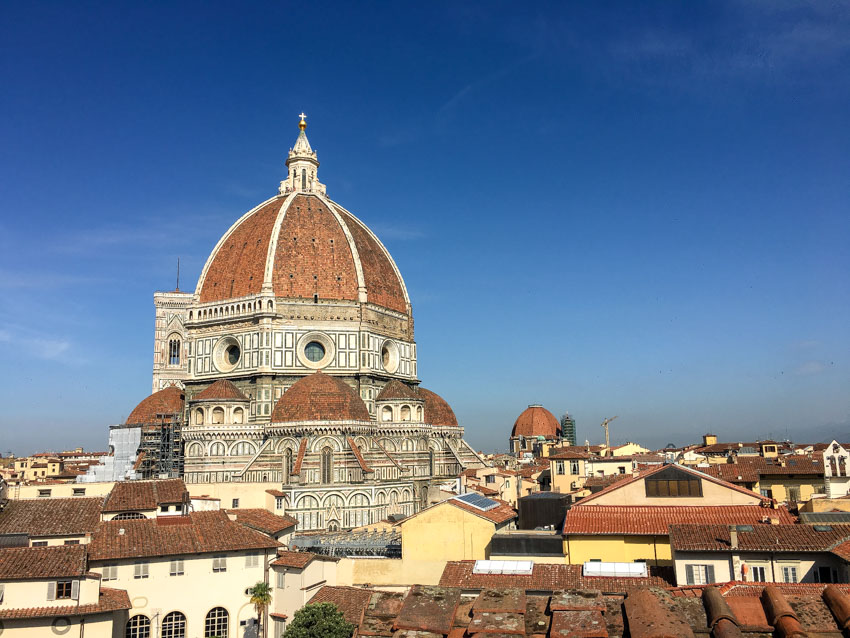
(609, 209)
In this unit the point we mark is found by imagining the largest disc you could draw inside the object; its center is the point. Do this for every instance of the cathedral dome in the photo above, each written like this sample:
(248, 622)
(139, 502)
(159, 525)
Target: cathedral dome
(301, 245)
(221, 390)
(320, 397)
(167, 401)
(437, 411)
(537, 421)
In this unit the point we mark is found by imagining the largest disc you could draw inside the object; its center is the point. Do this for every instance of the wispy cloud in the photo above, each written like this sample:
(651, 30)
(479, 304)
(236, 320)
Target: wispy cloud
(49, 347)
(484, 81)
(809, 368)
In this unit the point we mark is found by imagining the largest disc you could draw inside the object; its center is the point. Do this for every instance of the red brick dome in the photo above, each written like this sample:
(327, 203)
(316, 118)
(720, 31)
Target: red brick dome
(320, 397)
(537, 421)
(396, 390)
(165, 402)
(437, 411)
(221, 390)
(303, 246)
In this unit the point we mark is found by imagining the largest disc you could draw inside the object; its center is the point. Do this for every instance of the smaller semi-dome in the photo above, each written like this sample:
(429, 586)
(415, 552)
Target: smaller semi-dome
(396, 390)
(221, 390)
(537, 421)
(320, 397)
(167, 401)
(437, 411)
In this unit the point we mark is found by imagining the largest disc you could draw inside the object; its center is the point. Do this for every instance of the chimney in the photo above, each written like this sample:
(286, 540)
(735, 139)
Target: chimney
(121, 532)
(733, 536)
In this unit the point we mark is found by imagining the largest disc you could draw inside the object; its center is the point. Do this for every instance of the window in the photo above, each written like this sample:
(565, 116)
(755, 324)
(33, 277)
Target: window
(674, 483)
(174, 625)
(327, 465)
(218, 416)
(314, 351)
(490, 478)
(138, 627)
(621, 469)
(174, 352)
(574, 466)
(789, 574)
(278, 502)
(219, 564)
(63, 589)
(287, 465)
(234, 504)
(767, 493)
(217, 449)
(176, 568)
(79, 491)
(825, 575)
(44, 493)
(128, 516)
(141, 569)
(74, 542)
(39, 543)
(252, 560)
(699, 574)
(216, 623)
(163, 508)
(386, 413)
(794, 494)
(559, 467)
(281, 580)
(110, 572)
(758, 574)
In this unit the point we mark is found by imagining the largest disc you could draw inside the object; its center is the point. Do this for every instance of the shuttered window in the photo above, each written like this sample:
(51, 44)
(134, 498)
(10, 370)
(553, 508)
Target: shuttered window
(140, 569)
(220, 564)
(252, 560)
(699, 574)
(176, 568)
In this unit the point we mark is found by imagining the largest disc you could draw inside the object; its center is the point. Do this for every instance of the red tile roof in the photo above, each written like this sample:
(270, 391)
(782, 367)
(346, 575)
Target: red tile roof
(320, 397)
(165, 402)
(351, 601)
(498, 515)
(428, 608)
(732, 472)
(144, 495)
(221, 390)
(199, 532)
(109, 600)
(656, 519)
(263, 520)
(297, 560)
(536, 420)
(360, 460)
(437, 410)
(51, 516)
(549, 577)
(396, 390)
(299, 460)
(58, 561)
(770, 538)
(842, 551)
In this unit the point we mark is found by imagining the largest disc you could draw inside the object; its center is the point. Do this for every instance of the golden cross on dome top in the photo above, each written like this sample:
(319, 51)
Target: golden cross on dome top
(303, 123)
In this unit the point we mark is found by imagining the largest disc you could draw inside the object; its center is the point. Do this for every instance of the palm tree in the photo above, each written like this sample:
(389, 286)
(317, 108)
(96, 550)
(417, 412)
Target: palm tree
(261, 597)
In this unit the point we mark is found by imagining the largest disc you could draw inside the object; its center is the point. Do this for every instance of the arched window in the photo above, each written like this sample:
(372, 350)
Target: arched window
(405, 413)
(217, 449)
(386, 413)
(216, 623)
(195, 449)
(218, 416)
(419, 413)
(138, 626)
(431, 463)
(199, 417)
(333, 526)
(128, 516)
(238, 415)
(174, 625)
(303, 179)
(327, 464)
(174, 352)
(243, 448)
(287, 464)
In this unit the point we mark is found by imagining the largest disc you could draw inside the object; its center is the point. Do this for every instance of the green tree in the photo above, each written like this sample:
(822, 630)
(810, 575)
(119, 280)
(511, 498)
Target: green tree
(320, 620)
(261, 598)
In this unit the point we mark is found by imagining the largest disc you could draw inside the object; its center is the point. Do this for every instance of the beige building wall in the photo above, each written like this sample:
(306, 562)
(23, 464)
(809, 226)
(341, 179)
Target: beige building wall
(194, 593)
(250, 495)
(293, 588)
(109, 625)
(61, 490)
(389, 573)
(712, 494)
(445, 532)
(729, 566)
(34, 593)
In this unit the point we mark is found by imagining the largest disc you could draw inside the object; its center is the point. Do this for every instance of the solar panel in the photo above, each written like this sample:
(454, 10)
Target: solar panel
(620, 570)
(477, 501)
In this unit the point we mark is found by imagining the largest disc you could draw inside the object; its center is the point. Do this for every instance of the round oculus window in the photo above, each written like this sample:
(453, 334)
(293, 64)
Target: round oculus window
(389, 356)
(314, 351)
(232, 353)
(227, 354)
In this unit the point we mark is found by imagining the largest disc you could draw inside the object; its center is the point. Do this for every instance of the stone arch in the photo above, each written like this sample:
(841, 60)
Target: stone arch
(285, 443)
(386, 414)
(199, 416)
(326, 441)
(404, 413)
(242, 448)
(389, 445)
(217, 415)
(238, 415)
(217, 448)
(408, 445)
(351, 498)
(195, 449)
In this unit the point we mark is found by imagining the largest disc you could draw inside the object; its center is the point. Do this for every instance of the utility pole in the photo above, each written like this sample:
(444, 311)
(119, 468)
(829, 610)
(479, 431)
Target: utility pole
(607, 437)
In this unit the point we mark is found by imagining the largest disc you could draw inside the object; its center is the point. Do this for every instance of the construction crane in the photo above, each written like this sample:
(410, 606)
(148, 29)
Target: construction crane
(607, 438)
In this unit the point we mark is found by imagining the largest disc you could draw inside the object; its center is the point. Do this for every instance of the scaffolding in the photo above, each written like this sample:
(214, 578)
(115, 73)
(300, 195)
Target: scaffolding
(161, 448)
(375, 543)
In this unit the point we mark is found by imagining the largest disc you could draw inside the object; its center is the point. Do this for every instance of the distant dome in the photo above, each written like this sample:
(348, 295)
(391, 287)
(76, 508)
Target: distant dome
(537, 421)
(221, 390)
(167, 401)
(437, 411)
(320, 397)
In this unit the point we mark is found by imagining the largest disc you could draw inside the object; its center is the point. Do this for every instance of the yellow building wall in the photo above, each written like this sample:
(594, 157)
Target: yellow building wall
(109, 625)
(445, 532)
(562, 483)
(250, 495)
(712, 494)
(62, 490)
(389, 573)
(826, 505)
(580, 549)
(779, 487)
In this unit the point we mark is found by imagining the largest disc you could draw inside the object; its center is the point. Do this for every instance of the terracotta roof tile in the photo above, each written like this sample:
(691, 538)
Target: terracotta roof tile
(437, 410)
(351, 601)
(296, 560)
(144, 495)
(497, 515)
(199, 532)
(299, 460)
(536, 420)
(263, 520)
(549, 577)
(152, 409)
(656, 519)
(775, 538)
(648, 618)
(58, 561)
(356, 450)
(51, 516)
(320, 397)
(395, 389)
(221, 390)
(109, 600)
(429, 608)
